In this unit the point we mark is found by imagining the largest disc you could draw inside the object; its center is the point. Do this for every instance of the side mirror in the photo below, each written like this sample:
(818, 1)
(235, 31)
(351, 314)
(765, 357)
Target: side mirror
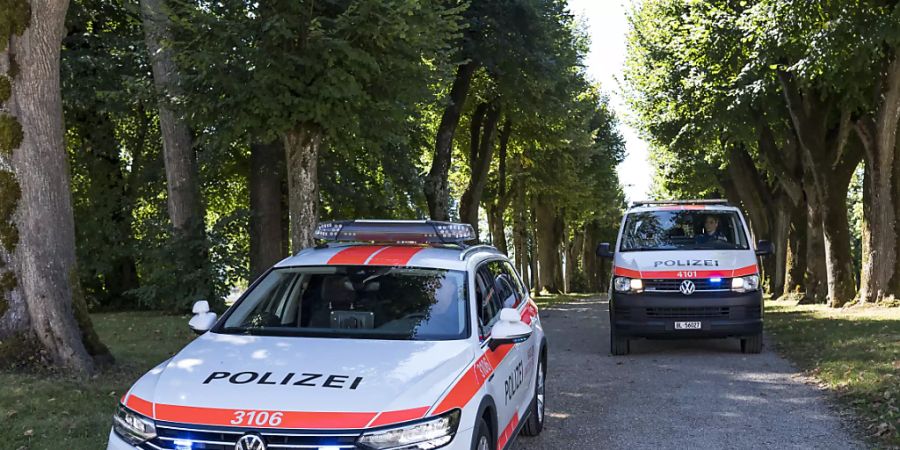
(764, 248)
(203, 320)
(509, 329)
(603, 251)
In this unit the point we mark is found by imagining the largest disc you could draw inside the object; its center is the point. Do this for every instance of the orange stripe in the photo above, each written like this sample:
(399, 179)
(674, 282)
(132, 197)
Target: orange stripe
(394, 256)
(467, 386)
(140, 405)
(392, 417)
(354, 255)
(508, 431)
(744, 271)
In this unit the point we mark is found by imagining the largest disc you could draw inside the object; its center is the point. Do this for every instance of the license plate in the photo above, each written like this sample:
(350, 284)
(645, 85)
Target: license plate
(687, 325)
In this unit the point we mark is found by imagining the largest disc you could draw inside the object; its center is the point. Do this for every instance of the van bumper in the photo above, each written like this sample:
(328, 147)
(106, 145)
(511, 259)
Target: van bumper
(653, 315)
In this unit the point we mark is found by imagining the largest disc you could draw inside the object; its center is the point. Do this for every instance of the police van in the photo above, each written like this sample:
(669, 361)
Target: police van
(389, 335)
(685, 269)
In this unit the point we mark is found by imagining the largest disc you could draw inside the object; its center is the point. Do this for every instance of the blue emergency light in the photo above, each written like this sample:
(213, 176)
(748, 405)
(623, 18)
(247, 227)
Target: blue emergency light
(418, 231)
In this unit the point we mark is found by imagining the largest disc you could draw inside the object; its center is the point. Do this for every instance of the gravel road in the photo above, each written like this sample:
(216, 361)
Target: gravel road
(673, 394)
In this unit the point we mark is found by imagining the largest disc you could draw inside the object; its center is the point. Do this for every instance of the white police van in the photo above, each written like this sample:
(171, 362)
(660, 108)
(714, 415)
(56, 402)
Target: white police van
(410, 341)
(685, 269)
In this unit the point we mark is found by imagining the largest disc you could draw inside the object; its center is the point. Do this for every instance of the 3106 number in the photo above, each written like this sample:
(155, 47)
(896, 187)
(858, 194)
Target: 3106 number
(258, 418)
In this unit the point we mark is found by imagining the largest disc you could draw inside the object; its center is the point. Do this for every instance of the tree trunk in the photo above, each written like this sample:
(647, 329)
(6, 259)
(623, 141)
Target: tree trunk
(795, 258)
(816, 272)
(437, 185)
(590, 262)
(520, 222)
(44, 256)
(549, 235)
(780, 230)
(836, 231)
(756, 199)
(266, 175)
(482, 152)
(301, 146)
(865, 237)
(878, 135)
(498, 227)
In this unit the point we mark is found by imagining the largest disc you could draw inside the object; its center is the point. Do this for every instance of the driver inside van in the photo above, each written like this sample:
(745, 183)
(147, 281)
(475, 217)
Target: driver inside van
(711, 231)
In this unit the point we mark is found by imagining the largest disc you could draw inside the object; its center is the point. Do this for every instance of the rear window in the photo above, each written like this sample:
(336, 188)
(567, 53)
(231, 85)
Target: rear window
(683, 230)
(354, 302)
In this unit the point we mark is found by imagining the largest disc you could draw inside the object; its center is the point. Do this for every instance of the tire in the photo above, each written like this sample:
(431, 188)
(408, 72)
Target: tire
(618, 346)
(752, 344)
(535, 423)
(481, 439)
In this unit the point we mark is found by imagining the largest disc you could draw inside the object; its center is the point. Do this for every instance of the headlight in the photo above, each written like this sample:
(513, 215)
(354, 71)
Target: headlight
(133, 427)
(624, 284)
(426, 435)
(745, 284)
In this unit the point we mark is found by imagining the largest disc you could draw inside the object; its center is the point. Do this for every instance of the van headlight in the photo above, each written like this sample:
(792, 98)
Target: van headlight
(426, 435)
(625, 284)
(745, 284)
(133, 427)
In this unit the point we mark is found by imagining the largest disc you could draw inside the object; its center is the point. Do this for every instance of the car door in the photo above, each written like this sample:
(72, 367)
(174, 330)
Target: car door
(529, 349)
(507, 382)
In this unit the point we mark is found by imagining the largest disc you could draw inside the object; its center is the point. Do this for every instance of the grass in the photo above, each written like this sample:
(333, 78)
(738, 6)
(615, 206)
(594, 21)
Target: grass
(545, 300)
(47, 410)
(853, 352)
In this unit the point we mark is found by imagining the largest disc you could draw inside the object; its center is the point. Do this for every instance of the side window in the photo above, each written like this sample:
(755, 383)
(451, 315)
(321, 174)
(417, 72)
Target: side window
(505, 284)
(517, 282)
(488, 300)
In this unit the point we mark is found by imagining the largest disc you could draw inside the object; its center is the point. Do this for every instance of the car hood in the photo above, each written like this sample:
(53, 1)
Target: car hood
(686, 263)
(218, 374)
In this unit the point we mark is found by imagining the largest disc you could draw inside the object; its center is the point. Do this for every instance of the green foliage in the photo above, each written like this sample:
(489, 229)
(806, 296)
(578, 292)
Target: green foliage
(5, 88)
(14, 20)
(9, 200)
(10, 133)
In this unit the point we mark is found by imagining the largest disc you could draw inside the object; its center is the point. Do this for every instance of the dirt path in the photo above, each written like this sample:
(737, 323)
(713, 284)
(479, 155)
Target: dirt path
(673, 394)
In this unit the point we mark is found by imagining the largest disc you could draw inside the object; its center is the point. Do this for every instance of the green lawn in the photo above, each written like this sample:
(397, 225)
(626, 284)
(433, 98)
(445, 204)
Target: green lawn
(551, 299)
(854, 352)
(51, 411)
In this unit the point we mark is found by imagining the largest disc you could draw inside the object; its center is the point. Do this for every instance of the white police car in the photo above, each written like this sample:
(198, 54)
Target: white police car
(685, 269)
(413, 341)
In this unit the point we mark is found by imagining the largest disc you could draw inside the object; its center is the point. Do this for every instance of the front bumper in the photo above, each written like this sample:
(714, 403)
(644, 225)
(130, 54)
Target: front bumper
(653, 315)
(462, 441)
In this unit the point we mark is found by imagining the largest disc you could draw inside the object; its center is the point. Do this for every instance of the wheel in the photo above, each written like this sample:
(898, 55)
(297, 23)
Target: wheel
(752, 344)
(618, 346)
(535, 423)
(482, 436)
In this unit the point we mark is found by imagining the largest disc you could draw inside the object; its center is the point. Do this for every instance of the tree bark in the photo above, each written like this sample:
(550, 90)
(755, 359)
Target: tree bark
(45, 253)
(549, 235)
(266, 175)
(437, 185)
(878, 135)
(501, 195)
(780, 230)
(795, 258)
(520, 222)
(816, 271)
(301, 146)
(481, 154)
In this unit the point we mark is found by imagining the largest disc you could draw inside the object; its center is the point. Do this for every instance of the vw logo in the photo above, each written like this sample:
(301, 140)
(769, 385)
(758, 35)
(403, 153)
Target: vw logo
(687, 287)
(250, 442)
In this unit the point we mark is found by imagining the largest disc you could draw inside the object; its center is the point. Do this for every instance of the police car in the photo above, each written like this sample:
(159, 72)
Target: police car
(685, 269)
(392, 335)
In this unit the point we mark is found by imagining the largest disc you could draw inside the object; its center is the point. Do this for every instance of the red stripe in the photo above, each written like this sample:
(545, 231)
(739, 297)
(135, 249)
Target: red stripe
(677, 274)
(394, 256)
(140, 405)
(355, 255)
(392, 417)
(508, 431)
(288, 419)
(623, 272)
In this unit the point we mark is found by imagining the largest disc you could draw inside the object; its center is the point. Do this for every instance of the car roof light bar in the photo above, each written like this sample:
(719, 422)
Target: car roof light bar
(418, 231)
(717, 201)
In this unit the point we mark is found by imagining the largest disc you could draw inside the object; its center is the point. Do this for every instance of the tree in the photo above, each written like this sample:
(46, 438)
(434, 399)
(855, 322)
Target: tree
(41, 239)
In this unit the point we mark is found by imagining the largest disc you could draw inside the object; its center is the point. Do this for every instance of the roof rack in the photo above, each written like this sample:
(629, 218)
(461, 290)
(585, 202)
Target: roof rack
(718, 201)
(417, 231)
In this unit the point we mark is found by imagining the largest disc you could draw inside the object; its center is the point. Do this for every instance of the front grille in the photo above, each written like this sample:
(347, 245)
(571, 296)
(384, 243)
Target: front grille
(207, 438)
(688, 312)
(673, 285)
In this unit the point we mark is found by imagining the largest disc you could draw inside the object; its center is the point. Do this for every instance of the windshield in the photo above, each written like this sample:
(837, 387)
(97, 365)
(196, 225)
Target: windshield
(683, 230)
(355, 302)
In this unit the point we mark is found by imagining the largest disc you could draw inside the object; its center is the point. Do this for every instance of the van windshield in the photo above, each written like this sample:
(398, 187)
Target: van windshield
(354, 302)
(683, 230)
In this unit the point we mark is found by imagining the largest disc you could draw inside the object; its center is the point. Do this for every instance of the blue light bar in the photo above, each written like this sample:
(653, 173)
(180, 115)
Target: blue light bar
(419, 231)
(715, 280)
